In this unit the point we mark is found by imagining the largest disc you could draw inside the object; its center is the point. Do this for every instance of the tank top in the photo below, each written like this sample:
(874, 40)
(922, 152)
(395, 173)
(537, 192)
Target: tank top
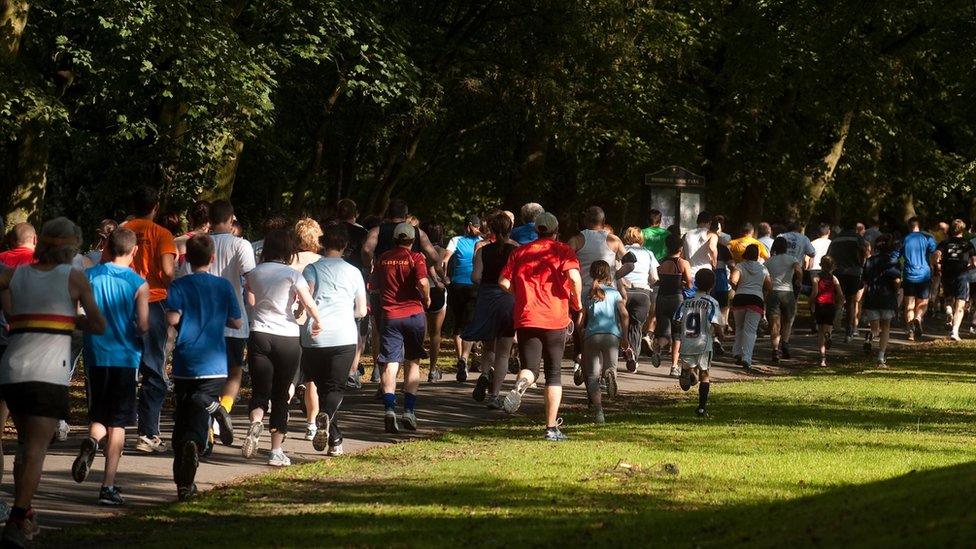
(594, 249)
(384, 239)
(645, 263)
(41, 322)
(494, 256)
(695, 250)
(825, 290)
(669, 283)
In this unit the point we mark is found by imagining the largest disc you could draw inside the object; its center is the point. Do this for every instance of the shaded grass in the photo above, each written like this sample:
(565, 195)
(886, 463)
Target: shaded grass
(846, 456)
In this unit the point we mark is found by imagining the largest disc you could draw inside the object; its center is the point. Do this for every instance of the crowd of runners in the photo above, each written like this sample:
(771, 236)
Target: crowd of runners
(189, 312)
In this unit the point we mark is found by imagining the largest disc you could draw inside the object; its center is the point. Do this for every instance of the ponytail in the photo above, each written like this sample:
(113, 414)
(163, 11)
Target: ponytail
(600, 273)
(597, 292)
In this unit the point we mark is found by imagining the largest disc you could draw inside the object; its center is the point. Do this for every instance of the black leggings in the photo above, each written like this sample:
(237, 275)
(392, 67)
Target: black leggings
(638, 307)
(191, 420)
(328, 368)
(273, 362)
(548, 346)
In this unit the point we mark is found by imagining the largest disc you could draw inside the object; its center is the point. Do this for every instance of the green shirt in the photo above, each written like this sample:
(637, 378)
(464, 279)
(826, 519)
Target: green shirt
(655, 240)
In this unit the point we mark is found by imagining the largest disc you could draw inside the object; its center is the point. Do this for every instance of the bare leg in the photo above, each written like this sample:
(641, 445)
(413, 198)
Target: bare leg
(411, 377)
(958, 312)
(774, 331)
(113, 453)
(388, 377)
(435, 322)
(312, 400)
(553, 397)
(36, 434)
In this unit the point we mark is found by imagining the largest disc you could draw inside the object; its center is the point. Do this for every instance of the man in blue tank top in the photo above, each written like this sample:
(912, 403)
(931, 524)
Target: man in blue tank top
(461, 292)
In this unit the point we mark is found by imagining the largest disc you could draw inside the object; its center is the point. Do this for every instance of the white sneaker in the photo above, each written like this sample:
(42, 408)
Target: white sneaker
(62, 434)
(278, 458)
(955, 337)
(675, 371)
(310, 431)
(251, 441)
(150, 445)
(335, 451)
(514, 398)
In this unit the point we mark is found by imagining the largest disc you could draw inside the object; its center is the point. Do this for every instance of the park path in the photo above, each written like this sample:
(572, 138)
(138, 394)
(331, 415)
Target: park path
(146, 480)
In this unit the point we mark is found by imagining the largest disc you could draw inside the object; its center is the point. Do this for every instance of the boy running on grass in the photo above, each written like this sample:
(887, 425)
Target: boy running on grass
(700, 320)
(112, 360)
(200, 306)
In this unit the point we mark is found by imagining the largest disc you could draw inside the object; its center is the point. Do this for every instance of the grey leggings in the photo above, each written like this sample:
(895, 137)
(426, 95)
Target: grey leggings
(599, 354)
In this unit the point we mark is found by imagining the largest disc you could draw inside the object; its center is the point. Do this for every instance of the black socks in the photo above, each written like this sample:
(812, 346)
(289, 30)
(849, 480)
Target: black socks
(703, 394)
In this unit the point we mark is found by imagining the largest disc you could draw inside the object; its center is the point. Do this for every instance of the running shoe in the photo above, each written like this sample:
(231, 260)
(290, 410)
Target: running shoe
(481, 387)
(279, 459)
(495, 402)
(610, 378)
(849, 336)
(409, 421)
(746, 365)
(718, 347)
(252, 440)
(910, 333)
(700, 412)
(150, 445)
(222, 419)
(684, 380)
(15, 535)
(881, 363)
(829, 340)
(310, 431)
(62, 433)
(599, 417)
(918, 329)
(647, 346)
(375, 377)
(675, 371)
(784, 350)
(434, 376)
(335, 450)
(187, 471)
(578, 377)
(462, 370)
(868, 337)
(514, 398)
(390, 420)
(823, 361)
(738, 361)
(774, 358)
(954, 337)
(656, 359)
(354, 382)
(972, 329)
(474, 366)
(86, 456)
(553, 434)
(184, 493)
(298, 399)
(110, 495)
(631, 359)
(320, 442)
(4, 511)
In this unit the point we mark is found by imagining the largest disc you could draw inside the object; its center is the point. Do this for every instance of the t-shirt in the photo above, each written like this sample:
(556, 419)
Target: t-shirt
(542, 290)
(780, 268)
(916, 249)
(752, 277)
(233, 258)
(206, 303)
(820, 246)
(275, 287)
(462, 258)
(696, 317)
(696, 252)
(846, 250)
(655, 240)
(523, 234)
(767, 241)
(739, 245)
(957, 252)
(601, 316)
(396, 276)
(798, 245)
(114, 288)
(880, 275)
(16, 257)
(154, 242)
(354, 249)
(644, 265)
(335, 284)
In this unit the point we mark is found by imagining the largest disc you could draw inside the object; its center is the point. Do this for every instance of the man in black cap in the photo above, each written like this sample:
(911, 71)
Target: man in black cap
(461, 292)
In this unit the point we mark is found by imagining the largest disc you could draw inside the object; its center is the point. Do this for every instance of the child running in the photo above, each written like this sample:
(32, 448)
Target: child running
(827, 298)
(699, 319)
(200, 306)
(605, 319)
(112, 360)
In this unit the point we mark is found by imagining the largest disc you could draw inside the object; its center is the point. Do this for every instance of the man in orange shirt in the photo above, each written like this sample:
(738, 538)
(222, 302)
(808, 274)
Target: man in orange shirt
(746, 237)
(155, 261)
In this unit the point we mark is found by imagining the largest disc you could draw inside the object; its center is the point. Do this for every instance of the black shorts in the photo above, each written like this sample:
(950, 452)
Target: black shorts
(918, 290)
(402, 339)
(235, 352)
(722, 297)
(460, 305)
(956, 287)
(850, 284)
(438, 299)
(36, 398)
(112, 396)
(825, 315)
(546, 346)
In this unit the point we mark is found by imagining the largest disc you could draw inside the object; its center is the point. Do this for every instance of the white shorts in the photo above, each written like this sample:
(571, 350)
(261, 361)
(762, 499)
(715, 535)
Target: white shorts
(871, 315)
(701, 361)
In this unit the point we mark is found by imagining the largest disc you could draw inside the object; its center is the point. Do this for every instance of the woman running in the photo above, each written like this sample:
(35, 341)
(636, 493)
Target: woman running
(638, 283)
(273, 346)
(340, 295)
(307, 232)
(437, 310)
(605, 320)
(674, 276)
(784, 271)
(34, 379)
(751, 282)
(492, 321)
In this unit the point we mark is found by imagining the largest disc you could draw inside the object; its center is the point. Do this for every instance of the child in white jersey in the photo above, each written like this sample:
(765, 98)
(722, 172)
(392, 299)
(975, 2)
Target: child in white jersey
(700, 320)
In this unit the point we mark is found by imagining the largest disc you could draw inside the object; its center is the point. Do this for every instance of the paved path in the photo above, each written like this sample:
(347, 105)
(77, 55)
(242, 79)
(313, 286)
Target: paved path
(147, 479)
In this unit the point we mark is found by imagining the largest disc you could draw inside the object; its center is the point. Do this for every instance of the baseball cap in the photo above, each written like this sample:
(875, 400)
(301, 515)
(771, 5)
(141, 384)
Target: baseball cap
(404, 230)
(547, 222)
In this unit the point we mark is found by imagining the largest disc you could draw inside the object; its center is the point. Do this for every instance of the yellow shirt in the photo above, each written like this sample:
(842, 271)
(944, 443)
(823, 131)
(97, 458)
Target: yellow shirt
(739, 245)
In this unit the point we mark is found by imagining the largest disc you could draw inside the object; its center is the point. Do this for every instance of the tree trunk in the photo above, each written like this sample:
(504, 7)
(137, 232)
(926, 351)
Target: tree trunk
(13, 19)
(315, 165)
(224, 182)
(908, 207)
(819, 177)
(399, 155)
(30, 175)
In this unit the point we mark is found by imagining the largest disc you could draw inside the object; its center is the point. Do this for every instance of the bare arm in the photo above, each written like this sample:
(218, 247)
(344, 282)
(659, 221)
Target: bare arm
(168, 264)
(624, 317)
(506, 284)
(361, 305)
(235, 323)
(173, 318)
(686, 273)
(574, 277)
(142, 308)
(479, 267)
(767, 284)
(369, 247)
(305, 297)
(713, 250)
(432, 255)
(423, 286)
(92, 322)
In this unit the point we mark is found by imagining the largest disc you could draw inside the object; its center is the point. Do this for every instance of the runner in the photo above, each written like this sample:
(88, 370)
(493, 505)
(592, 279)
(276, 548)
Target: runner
(656, 236)
(721, 287)
(605, 320)
(43, 306)
(307, 234)
(327, 357)
(639, 296)
(155, 261)
(458, 263)
(700, 324)
(701, 245)
(348, 213)
(849, 250)
(750, 281)
(270, 224)
(827, 297)
(400, 277)
(882, 278)
(739, 245)
(493, 324)
(200, 306)
(764, 234)
(784, 272)
(275, 287)
(820, 246)
(544, 277)
(22, 252)
(105, 228)
(918, 251)
(525, 233)
(674, 277)
(437, 310)
(198, 218)
(112, 361)
(955, 257)
(798, 245)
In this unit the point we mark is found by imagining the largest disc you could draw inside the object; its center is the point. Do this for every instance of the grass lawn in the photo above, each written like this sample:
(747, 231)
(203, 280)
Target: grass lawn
(849, 456)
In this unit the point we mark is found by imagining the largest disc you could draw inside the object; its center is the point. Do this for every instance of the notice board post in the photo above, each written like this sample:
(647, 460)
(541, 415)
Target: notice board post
(679, 195)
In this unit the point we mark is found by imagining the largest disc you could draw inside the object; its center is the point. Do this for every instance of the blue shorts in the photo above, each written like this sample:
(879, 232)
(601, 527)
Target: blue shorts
(402, 339)
(957, 288)
(918, 290)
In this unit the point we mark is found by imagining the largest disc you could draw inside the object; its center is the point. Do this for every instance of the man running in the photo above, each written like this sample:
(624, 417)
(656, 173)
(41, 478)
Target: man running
(956, 257)
(25, 240)
(701, 245)
(348, 213)
(656, 236)
(764, 234)
(739, 245)
(525, 233)
(461, 291)
(798, 245)
(544, 276)
(849, 250)
(917, 251)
